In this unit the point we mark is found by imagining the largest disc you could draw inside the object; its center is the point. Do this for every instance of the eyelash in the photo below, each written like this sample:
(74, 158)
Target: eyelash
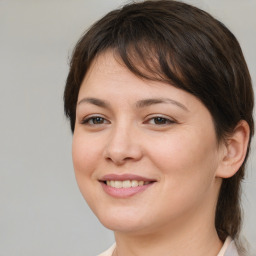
(87, 121)
(163, 121)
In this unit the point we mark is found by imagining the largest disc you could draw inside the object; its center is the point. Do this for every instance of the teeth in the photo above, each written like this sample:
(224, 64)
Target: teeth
(135, 183)
(126, 183)
(118, 184)
(141, 183)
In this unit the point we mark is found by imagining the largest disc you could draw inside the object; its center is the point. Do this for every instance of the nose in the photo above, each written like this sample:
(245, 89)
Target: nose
(123, 146)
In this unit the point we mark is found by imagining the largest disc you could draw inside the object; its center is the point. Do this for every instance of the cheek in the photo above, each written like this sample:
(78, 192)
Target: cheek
(187, 160)
(187, 167)
(85, 153)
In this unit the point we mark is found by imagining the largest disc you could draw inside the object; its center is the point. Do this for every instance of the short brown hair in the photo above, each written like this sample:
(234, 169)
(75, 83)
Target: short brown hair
(179, 44)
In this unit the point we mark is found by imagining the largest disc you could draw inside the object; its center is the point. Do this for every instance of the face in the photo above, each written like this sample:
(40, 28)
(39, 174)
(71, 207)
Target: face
(145, 153)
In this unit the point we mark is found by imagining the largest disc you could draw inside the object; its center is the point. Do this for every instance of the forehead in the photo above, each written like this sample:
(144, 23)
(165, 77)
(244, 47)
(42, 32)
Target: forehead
(107, 71)
(110, 79)
(106, 63)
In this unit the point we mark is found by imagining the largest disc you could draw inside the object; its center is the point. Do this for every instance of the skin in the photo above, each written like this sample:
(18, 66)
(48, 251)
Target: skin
(179, 151)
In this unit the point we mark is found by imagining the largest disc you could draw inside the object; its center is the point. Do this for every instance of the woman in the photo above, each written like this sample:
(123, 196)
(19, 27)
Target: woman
(160, 102)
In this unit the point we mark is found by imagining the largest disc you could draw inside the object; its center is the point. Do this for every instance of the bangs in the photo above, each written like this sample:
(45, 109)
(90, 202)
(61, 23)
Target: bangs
(178, 52)
(149, 61)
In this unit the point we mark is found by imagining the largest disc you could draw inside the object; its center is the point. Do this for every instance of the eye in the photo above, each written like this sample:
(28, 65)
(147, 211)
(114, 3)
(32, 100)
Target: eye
(95, 120)
(159, 120)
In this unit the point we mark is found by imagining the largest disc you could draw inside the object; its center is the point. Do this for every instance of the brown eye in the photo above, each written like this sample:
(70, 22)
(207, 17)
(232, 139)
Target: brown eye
(95, 120)
(160, 120)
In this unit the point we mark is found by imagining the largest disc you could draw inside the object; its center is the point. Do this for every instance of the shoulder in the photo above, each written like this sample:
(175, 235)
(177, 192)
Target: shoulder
(109, 251)
(231, 250)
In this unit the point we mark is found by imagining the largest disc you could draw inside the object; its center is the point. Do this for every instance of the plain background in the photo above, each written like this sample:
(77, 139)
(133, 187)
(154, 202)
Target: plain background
(42, 212)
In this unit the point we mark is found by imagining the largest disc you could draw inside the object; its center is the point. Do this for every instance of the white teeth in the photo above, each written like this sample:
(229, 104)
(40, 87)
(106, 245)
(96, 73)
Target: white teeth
(118, 184)
(126, 183)
(135, 183)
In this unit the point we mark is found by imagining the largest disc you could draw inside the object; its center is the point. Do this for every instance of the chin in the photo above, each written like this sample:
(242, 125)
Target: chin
(121, 221)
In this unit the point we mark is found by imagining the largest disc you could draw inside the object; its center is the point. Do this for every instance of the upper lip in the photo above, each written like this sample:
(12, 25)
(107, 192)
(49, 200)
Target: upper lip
(122, 177)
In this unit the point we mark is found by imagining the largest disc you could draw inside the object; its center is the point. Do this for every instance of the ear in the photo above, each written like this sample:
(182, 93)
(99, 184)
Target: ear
(235, 149)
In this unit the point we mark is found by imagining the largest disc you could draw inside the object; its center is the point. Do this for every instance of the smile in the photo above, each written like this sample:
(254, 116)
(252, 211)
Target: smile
(126, 183)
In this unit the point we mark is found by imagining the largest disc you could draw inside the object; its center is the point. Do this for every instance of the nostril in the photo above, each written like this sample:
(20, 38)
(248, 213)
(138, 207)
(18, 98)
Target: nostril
(122, 148)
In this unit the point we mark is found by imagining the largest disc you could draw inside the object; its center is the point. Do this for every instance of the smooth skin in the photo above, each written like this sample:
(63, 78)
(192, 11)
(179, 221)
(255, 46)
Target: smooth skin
(127, 125)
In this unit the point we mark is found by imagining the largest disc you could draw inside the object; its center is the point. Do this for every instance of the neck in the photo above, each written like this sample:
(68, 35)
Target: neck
(193, 234)
(196, 242)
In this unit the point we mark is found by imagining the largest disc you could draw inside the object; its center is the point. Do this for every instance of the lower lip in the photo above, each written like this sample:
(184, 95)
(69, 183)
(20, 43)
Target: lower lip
(124, 192)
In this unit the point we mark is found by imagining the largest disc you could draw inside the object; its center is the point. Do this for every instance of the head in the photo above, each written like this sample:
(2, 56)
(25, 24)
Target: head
(183, 46)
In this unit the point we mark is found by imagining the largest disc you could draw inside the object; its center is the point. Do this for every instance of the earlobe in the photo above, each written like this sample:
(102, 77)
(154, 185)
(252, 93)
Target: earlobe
(235, 151)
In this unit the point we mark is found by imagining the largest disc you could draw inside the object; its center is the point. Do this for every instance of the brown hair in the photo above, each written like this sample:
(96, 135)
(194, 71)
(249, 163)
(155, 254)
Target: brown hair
(179, 44)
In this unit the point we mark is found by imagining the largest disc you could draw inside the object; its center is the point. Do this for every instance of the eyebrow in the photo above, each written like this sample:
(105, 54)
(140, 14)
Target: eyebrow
(139, 104)
(153, 101)
(95, 101)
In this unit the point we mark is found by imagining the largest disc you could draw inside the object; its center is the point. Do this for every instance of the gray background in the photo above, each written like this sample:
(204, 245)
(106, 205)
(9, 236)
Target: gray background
(42, 211)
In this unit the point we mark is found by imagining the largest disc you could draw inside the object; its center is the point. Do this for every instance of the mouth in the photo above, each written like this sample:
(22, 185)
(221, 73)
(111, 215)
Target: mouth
(126, 183)
(123, 186)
